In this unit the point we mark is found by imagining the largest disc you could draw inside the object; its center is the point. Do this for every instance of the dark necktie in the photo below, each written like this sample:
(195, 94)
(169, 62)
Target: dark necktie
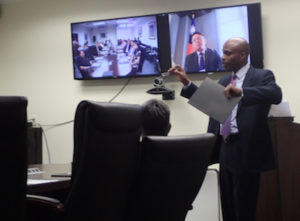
(225, 131)
(201, 62)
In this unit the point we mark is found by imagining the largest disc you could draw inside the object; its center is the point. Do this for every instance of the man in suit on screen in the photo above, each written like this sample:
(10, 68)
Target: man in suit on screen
(246, 150)
(203, 59)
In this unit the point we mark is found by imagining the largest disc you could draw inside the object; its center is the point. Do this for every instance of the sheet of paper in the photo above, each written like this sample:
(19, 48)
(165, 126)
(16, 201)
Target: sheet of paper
(210, 99)
(280, 110)
(34, 170)
(38, 181)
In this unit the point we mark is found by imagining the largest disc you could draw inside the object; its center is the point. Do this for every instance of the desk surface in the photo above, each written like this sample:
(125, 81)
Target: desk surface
(55, 183)
(111, 65)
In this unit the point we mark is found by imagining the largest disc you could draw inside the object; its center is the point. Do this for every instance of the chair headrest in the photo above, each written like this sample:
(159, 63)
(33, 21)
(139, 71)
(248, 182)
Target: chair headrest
(112, 116)
(171, 148)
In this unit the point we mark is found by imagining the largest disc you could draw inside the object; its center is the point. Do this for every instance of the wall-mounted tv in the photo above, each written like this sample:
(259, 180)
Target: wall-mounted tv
(115, 48)
(196, 37)
(148, 45)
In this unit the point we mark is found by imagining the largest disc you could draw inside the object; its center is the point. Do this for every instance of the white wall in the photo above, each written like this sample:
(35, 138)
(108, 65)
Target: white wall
(36, 60)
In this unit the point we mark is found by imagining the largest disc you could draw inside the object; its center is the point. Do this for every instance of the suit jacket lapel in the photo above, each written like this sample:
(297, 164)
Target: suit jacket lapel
(247, 82)
(195, 58)
(227, 80)
(248, 78)
(207, 58)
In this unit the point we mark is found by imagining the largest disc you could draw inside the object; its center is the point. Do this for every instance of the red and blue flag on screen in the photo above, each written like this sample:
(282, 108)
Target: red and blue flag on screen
(190, 48)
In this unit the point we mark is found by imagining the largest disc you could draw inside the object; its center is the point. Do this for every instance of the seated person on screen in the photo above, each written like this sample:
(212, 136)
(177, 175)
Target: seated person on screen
(135, 57)
(155, 118)
(203, 59)
(127, 47)
(75, 47)
(98, 48)
(93, 51)
(99, 45)
(86, 45)
(131, 50)
(121, 45)
(110, 46)
(83, 63)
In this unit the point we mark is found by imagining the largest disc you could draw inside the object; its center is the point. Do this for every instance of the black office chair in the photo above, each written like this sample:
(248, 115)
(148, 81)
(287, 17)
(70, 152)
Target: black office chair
(13, 156)
(106, 151)
(171, 174)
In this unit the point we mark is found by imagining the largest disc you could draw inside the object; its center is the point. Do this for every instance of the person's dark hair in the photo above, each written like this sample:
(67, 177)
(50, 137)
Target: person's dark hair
(197, 33)
(191, 36)
(155, 118)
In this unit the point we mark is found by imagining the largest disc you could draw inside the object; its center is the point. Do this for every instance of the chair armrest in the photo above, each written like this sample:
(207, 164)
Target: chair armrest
(52, 205)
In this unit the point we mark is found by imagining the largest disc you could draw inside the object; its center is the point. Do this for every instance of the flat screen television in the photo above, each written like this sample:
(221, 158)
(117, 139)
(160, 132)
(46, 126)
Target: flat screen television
(206, 30)
(115, 48)
(149, 45)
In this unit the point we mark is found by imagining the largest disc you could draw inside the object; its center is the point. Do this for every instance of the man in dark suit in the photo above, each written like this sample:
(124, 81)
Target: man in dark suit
(247, 151)
(203, 59)
(127, 47)
(93, 51)
(83, 64)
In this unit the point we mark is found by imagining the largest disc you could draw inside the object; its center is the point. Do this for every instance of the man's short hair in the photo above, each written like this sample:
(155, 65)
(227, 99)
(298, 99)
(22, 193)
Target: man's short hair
(155, 118)
(197, 33)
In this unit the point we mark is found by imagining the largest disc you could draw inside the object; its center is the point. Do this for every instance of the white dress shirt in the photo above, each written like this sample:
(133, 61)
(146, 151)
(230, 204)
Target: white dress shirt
(240, 76)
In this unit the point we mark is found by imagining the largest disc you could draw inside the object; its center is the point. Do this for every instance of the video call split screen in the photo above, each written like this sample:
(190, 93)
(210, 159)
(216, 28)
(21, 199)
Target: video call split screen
(148, 45)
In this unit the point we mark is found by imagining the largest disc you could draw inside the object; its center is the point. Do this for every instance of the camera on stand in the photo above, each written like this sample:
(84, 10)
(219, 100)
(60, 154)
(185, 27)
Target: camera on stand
(159, 88)
(159, 82)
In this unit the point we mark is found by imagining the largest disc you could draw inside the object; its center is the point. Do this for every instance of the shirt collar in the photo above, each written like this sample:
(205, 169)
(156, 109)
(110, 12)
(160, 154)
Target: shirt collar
(198, 53)
(240, 74)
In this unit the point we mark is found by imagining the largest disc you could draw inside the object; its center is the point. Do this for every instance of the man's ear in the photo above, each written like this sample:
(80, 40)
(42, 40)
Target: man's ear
(243, 54)
(169, 128)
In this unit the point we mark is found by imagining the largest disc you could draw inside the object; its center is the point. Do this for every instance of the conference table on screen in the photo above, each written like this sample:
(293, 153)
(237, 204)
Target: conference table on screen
(45, 178)
(110, 64)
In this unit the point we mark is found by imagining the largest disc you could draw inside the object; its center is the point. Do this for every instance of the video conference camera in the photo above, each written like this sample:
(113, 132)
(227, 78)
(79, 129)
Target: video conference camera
(159, 82)
(159, 88)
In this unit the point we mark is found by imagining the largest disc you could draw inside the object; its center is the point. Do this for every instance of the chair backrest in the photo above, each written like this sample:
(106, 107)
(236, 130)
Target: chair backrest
(106, 150)
(13, 156)
(171, 174)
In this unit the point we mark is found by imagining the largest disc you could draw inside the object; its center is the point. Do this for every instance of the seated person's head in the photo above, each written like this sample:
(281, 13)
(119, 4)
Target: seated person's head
(82, 54)
(155, 118)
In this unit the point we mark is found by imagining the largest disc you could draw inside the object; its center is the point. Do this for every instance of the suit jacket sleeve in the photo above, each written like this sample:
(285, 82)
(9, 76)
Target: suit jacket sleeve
(191, 63)
(187, 92)
(265, 91)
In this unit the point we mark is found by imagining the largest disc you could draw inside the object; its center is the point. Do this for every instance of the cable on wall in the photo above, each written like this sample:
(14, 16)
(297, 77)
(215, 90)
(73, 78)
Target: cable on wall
(114, 97)
(50, 126)
(46, 142)
(58, 124)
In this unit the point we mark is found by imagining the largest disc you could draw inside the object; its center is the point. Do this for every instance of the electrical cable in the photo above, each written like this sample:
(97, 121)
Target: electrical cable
(50, 126)
(58, 124)
(46, 142)
(114, 97)
(45, 137)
